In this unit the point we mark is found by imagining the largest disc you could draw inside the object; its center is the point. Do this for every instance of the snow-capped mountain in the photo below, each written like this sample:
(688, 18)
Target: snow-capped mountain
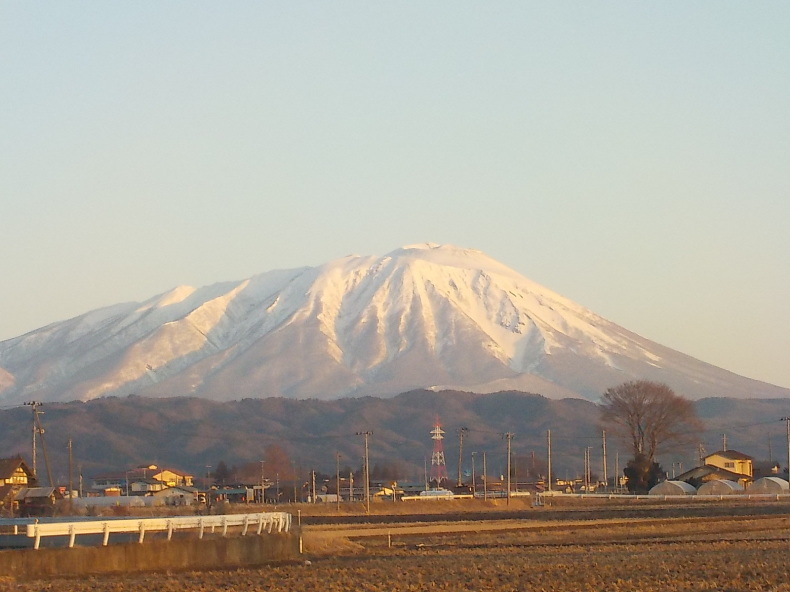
(421, 316)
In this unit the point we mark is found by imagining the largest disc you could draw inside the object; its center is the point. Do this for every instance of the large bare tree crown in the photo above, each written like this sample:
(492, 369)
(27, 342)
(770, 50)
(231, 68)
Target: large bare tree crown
(649, 416)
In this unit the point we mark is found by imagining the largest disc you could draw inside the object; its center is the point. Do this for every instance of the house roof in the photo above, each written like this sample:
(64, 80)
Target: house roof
(35, 492)
(710, 470)
(8, 467)
(731, 454)
(136, 473)
(175, 490)
(147, 481)
(174, 471)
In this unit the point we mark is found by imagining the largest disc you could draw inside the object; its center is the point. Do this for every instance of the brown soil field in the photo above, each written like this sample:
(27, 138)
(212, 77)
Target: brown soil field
(675, 554)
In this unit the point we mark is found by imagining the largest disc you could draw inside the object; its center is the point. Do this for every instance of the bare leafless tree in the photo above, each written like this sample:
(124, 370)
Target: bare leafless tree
(649, 416)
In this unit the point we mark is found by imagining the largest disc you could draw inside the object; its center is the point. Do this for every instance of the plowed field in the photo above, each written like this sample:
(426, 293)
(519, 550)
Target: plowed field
(669, 555)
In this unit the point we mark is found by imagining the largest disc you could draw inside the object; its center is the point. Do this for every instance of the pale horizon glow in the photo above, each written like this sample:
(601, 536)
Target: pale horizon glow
(629, 157)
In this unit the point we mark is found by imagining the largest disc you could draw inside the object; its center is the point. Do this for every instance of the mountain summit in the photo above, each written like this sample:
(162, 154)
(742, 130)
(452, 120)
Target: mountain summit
(423, 316)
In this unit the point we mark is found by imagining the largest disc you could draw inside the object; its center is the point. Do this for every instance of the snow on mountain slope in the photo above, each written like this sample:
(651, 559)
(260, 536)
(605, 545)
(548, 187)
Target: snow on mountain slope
(420, 316)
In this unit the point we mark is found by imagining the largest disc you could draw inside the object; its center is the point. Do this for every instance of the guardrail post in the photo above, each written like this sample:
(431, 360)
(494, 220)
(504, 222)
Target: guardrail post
(38, 536)
(106, 534)
(169, 529)
(200, 524)
(246, 523)
(142, 532)
(72, 535)
(224, 526)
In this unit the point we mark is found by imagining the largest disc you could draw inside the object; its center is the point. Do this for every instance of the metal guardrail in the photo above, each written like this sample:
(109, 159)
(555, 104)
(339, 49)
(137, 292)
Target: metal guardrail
(270, 521)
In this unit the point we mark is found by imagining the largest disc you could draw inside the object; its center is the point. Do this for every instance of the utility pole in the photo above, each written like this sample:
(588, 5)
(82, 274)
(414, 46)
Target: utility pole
(485, 479)
(548, 463)
(509, 437)
(787, 421)
(34, 405)
(724, 442)
(603, 446)
(337, 480)
(587, 469)
(263, 485)
(71, 482)
(461, 433)
(38, 429)
(312, 485)
(474, 487)
(367, 470)
(617, 471)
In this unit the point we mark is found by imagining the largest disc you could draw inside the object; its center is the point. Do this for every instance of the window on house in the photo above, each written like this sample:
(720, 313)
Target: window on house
(729, 465)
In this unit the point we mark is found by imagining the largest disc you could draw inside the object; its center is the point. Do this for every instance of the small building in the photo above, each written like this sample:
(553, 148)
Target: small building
(176, 496)
(673, 488)
(765, 468)
(769, 485)
(37, 501)
(146, 486)
(720, 487)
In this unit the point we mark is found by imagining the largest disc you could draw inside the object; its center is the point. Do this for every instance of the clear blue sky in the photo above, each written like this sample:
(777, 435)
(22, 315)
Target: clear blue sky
(634, 157)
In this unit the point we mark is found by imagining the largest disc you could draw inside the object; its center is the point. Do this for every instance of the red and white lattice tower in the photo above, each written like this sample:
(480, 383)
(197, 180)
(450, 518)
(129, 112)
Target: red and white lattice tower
(438, 467)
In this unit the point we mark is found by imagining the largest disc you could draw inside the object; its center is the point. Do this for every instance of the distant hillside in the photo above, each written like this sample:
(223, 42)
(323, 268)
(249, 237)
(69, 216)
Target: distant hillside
(192, 433)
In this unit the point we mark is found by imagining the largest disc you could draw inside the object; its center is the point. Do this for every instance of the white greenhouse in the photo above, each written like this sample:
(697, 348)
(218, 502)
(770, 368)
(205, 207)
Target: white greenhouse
(720, 487)
(769, 485)
(673, 488)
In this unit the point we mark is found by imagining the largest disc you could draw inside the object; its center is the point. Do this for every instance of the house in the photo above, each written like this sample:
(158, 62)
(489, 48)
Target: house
(173, 477)
(143, 480)
(109, 481)
(699, 475)
(15, 472)
(145, 486)
(14, 476)
(733, 461)
(727, 465)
